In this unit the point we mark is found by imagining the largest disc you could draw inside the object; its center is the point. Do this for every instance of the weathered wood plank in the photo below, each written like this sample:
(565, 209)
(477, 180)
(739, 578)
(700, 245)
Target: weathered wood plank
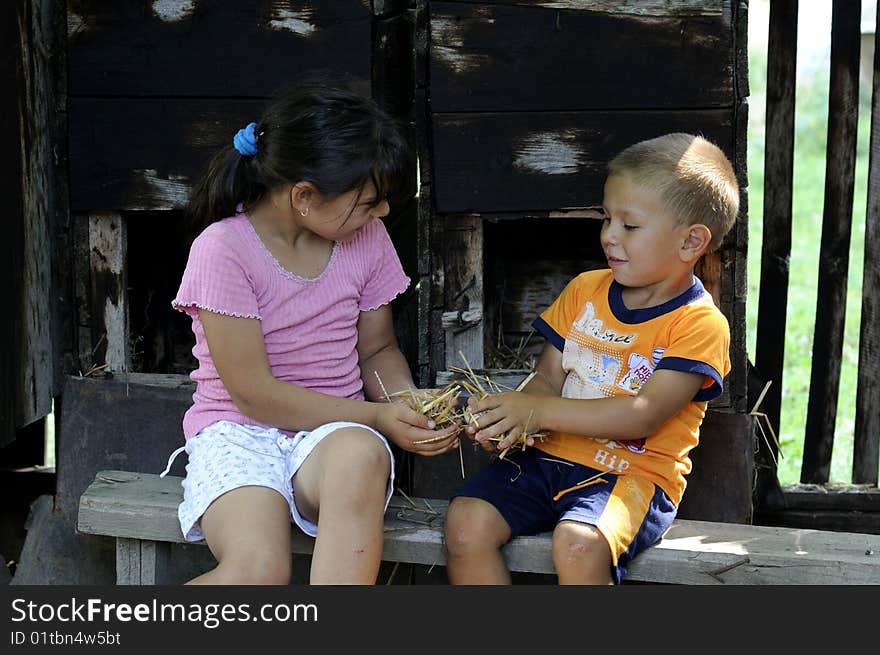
(776, 235)
(483, 55)
(837, 520)
(866, 442)
(463, 241)
(108, 245)
(843, 113)
(656, 8)
(822, 497)
(185, 49)
(146, 154)
(692, 552)
(28, 367)
(516, 162)
(393, 69)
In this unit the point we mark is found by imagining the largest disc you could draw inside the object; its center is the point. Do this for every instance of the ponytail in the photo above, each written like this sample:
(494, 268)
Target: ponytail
(333, 138)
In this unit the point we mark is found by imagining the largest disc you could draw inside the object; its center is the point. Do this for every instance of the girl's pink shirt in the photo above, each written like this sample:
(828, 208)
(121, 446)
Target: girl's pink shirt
(309, 325)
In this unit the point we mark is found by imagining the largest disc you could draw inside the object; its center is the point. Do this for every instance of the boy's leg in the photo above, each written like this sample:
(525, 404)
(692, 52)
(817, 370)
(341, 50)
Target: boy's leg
(342, 487)
(475, 533)
(581, 555)
(604, 525)
(248, 531)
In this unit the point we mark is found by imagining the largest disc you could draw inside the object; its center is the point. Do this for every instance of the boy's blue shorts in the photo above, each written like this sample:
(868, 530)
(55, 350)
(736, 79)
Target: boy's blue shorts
(534, 491)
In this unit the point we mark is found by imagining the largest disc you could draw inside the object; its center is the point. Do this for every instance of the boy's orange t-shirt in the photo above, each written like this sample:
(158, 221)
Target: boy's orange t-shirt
(609, 350)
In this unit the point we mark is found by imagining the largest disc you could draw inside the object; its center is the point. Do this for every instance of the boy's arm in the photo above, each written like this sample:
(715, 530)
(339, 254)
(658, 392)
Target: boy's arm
(620, 417)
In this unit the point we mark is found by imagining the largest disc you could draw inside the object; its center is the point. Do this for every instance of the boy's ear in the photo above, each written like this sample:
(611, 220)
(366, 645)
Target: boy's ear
(696, 242)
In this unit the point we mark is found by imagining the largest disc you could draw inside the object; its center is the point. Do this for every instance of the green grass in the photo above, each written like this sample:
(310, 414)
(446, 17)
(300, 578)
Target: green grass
(808, 199)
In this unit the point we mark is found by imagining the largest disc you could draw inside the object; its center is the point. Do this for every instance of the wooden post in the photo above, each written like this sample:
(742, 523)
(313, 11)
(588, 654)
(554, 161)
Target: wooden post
(141, 562)
(107, 254)
(463, 315)
(28, 362)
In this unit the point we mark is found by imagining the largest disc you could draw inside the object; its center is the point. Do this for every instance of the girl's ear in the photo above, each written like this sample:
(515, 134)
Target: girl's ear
(302, 196)
(696, 242)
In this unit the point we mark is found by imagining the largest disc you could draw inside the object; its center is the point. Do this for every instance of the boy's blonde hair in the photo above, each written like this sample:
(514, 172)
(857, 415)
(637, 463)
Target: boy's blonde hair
(692, 175)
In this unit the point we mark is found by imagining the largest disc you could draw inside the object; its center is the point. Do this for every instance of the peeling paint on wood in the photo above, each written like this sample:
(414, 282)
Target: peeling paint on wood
(172, 11)
(448, 45)
(550, 153)
(163, 192)
(298, 21)
(76, 24)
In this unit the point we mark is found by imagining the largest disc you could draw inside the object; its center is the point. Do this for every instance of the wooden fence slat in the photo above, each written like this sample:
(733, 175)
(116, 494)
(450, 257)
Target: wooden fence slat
(866, 443)
(843, 108)
(778, 174)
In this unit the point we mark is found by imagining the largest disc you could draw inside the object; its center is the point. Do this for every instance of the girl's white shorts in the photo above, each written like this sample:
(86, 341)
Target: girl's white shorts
(226, 455)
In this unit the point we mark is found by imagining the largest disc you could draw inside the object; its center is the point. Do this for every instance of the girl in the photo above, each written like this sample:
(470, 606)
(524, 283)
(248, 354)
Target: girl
(289, 297)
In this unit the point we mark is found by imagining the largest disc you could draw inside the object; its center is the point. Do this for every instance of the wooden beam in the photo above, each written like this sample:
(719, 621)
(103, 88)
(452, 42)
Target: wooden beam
(491, 56)
(843, 118)
(178, 48)
(539, 161)
(866, 443)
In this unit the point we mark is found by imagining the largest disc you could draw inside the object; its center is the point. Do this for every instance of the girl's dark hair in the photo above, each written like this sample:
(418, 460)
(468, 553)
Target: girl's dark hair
(331, 137)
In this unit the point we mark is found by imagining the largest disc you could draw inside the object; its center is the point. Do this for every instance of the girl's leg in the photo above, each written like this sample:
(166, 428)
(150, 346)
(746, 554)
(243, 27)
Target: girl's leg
(475, 533)
(341, 486)
(248, 531)
(581, 555)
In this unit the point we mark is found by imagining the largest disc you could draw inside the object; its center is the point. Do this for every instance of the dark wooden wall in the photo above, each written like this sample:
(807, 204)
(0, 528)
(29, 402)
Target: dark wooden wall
(514, 107)
(521, 104)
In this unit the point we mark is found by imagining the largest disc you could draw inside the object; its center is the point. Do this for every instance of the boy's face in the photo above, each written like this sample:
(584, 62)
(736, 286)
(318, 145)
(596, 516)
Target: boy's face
(640, 237)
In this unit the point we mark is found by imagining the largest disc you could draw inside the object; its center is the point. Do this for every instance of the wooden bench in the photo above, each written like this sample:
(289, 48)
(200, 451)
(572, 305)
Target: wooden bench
(140, 511)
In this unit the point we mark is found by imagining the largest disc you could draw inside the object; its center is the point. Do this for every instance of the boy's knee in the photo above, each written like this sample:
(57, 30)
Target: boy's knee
(577, 543)
(472, 525)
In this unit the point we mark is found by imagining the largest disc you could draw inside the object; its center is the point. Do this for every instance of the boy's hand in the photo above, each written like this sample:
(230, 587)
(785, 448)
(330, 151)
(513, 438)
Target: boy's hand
(414, 432)
(504, 416)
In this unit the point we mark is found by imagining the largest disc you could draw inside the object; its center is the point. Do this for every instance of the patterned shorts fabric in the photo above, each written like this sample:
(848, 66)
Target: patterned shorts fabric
(225, 456)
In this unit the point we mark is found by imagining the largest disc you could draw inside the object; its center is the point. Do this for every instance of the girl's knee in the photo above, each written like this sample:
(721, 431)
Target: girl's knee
(472, 525)
(255, 568)
(356, 451)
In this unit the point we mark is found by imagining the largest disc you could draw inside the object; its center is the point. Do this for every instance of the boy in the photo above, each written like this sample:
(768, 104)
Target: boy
(633, 354)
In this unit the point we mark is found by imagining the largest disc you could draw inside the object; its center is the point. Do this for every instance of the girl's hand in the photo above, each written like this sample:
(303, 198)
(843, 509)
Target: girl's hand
(504, 416)
(414, 432)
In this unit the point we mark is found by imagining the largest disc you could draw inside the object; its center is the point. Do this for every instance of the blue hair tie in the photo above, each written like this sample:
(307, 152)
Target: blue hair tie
(245, 141)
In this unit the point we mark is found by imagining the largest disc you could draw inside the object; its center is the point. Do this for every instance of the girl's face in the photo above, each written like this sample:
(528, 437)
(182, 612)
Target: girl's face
(339, 218)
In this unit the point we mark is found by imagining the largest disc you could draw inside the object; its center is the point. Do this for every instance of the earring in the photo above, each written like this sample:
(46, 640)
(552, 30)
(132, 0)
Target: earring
(306, 212)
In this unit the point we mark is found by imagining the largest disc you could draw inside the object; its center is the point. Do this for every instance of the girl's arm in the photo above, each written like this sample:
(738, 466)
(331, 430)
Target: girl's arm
(621, 417)
(378, 352)
(239, 354)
